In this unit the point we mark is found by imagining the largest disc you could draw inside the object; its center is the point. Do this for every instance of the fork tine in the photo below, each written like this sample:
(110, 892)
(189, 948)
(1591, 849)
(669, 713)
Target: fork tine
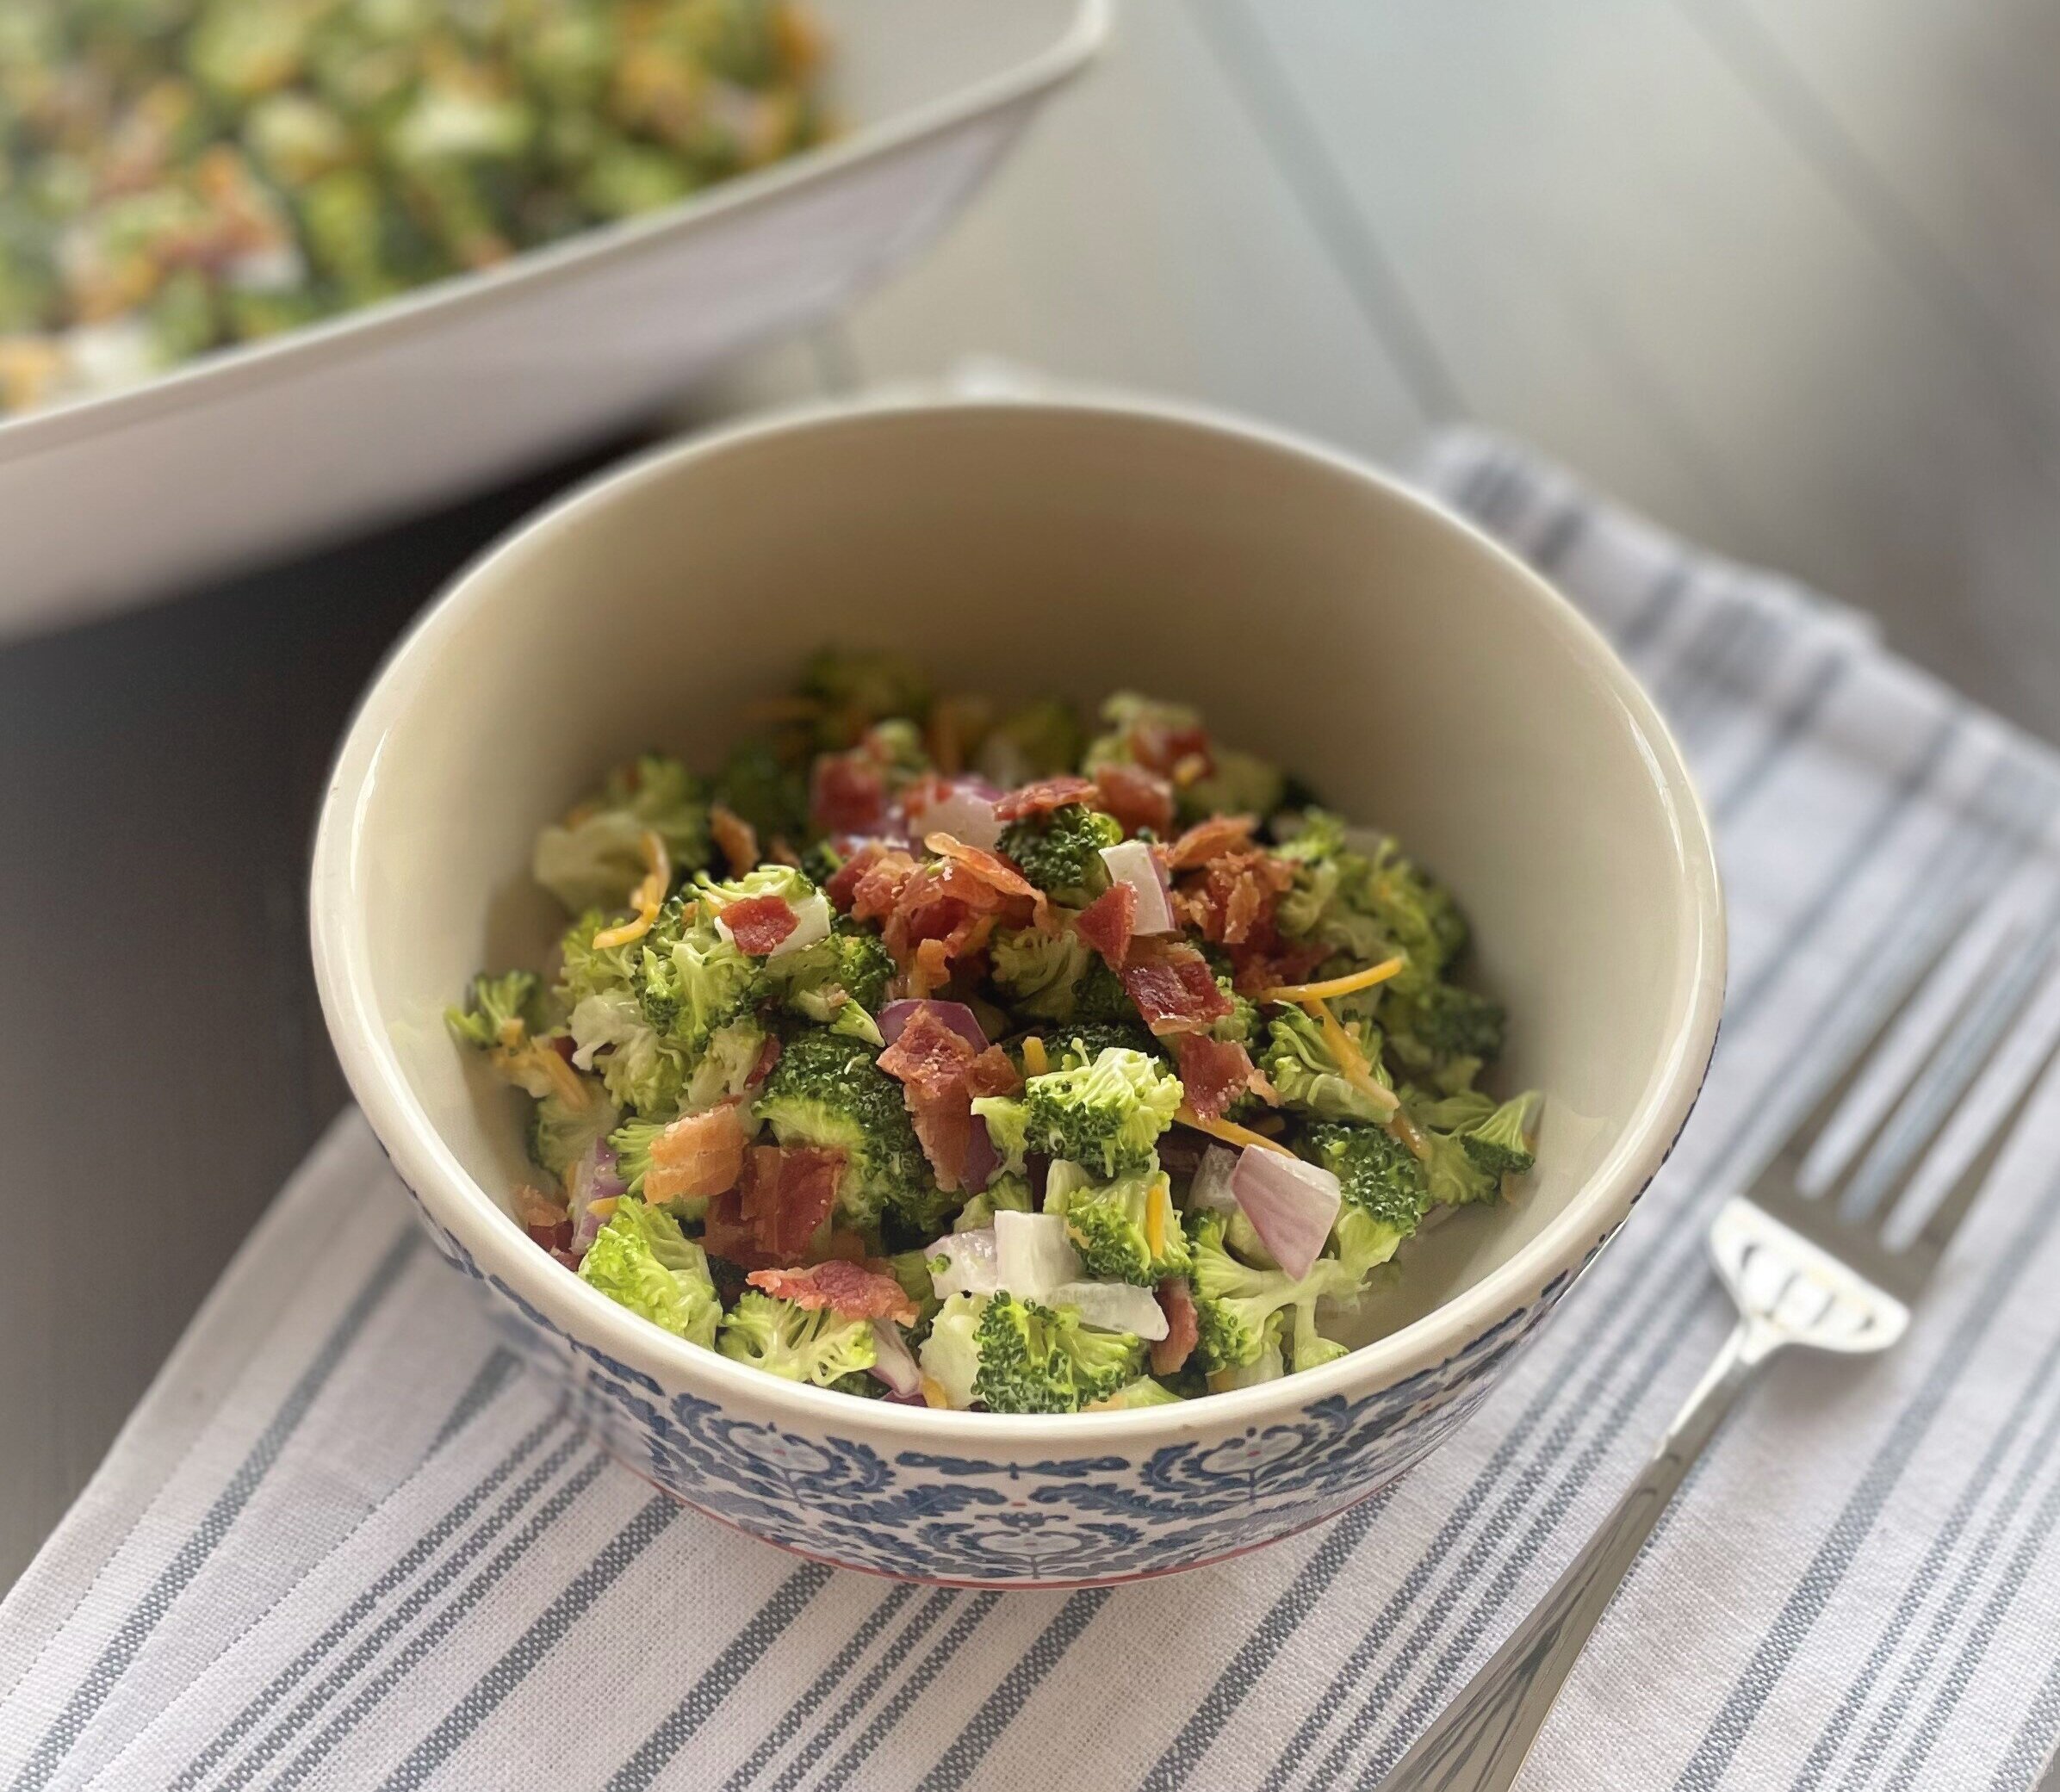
(1803, 1137)
(1944, 1220)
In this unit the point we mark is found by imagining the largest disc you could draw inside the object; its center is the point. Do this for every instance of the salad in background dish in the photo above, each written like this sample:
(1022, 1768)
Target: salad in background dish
(180, 174)
(941, 1054)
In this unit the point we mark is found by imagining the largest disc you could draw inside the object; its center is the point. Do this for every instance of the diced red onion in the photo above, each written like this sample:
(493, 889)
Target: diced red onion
(974, 1266)
(913, 1399)
(811, 923)
(1292, 1204)
(1114, 1307)
(954, 1015)
(1134, 862)
(982, 1159)
(1210, 1191)
(1032, 1255)
(964, 808)
(594, 1177)
(893, 1362)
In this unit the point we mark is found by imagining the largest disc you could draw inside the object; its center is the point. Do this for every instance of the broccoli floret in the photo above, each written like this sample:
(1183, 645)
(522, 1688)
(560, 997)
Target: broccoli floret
(1268, 1361)
(499, 1011)
(827, 1090)
(1233, 1302)
(1302, 1065)
(1385, 1192)
(857, 690)
(1073, 1047)
(1443, 1032)
(1058, 976)
(1125, 1229)
(1417, 912)
(725, 1069)
(1060, 851)
(758, 786)
(797, 1343)
(641, 1259)
(595, 857)
(1033, 1359)
(1143, 1391)
(631, 1142)
(1236, 784)
(690, 981)
(1456, 1179)
(1126, 715)
(1006, 1194)
(1500, 1144)
(911, 1269)
(1308, 1347)
(562, 1131)
(1107, 1116)
(850, 965)
(1034, 742)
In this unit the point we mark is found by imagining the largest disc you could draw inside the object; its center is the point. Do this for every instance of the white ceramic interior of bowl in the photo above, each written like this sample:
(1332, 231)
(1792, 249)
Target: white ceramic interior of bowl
(1425, 680)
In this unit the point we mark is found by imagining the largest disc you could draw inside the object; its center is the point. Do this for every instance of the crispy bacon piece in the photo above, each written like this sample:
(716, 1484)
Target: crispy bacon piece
(849, 1290)
(930, 1059)
(1231, 900)
(736, 837)
(1211, 839)
(988, 867)
(1046, 793)
(699, 1154)
(992, 1073)
(768, 1055)
(1214, 1073)
(1267, 962)
(759, 923)
(1106, 923)
(886, 872)
(1173, 987)
(769, 1218)
(1176, 1301)
(847, 794)
(934, 914)
(1161, 748)
(1136, 797)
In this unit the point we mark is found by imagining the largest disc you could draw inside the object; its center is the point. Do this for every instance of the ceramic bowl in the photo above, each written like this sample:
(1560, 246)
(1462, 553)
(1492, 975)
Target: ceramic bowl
(1319, 614)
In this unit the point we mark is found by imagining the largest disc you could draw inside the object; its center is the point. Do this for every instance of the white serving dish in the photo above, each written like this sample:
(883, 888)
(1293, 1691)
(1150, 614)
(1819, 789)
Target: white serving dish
(1317, 613)
(113, 501)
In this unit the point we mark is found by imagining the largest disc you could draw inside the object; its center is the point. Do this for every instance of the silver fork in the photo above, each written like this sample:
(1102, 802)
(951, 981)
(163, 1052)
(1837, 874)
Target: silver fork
(1803, 1268)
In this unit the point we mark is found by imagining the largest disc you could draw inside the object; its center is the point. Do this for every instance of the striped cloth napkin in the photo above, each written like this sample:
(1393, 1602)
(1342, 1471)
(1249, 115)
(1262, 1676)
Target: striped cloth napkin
(347, 1542)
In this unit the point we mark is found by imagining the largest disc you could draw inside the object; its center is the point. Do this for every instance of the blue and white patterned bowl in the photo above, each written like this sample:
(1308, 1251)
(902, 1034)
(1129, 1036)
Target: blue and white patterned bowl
(1320, 615)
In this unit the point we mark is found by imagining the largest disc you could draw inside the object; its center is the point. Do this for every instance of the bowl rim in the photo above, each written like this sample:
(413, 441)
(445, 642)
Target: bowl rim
(221, 373)
(454, 1199)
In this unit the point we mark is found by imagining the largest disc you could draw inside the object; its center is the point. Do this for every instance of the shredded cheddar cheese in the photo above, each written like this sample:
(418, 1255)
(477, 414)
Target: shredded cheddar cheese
(604, 1206)
(1402, 1127)
(1157, 1206)
(1301, 993)
(1350, 1059)
(933, 1391)
(647, 899)
(1228, 1130)
(1035, 1063)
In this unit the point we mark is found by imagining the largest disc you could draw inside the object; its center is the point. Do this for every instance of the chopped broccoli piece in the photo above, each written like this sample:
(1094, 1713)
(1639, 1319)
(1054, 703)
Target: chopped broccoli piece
(791, 885)
(797, 1343)
(1237, 784)
(1233, 1302)
(1500, 1144)
(1417, 912)
(1007, 1193)
(1107, 1116)
(1114, 1226)
(1385, 1192)
(1058, 976)
(1126, 715)
(827, 1090)
(1037, 740)
(857, 690)
(562, 1131)
(1308, 1347)
(1302, 1066)
(1060, 851)
(950, 1355)
(760, 787)
(595, 857)
(1444, 1031)
(499, 1011)
(690, 981)
(850, 965)
(641, 1259)
(1456, 1179)
(1036, 1359)
(1074, 1047)
(725, 1068)
(1268, 1361)
(911, 1269)
(1143, 1391)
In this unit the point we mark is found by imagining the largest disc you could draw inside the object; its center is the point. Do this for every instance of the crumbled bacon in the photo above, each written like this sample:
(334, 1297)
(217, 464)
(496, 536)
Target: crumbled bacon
(699, 1154)
(933, 1065)
(537, 1208)
(1046, 793)
(1161, 748)
(992, 1073)
(849, 1290)
(1210, 839)
(1106, 923)
(1136, 797)
(735, 836)
(847, 794)
(990, 868)
(883, 873)
(1173, 987)
(768, 1055)
(769, 1219)
(1231, 900)
(1214, 1073)
(1183, 1332)
(759, 923)
(934, 914)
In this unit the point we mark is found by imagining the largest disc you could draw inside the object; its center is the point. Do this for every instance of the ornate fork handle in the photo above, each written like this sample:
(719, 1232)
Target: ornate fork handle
(1479, 1742)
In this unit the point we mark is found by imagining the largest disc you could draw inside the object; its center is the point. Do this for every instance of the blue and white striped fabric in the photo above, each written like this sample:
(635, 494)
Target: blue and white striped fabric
(346, 1543)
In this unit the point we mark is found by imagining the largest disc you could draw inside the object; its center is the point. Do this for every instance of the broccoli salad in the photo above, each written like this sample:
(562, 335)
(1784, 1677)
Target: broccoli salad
(180, 174)
(967, 1056)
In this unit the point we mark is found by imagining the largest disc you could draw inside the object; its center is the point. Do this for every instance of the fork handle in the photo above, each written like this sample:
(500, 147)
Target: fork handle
(1479, 1743)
